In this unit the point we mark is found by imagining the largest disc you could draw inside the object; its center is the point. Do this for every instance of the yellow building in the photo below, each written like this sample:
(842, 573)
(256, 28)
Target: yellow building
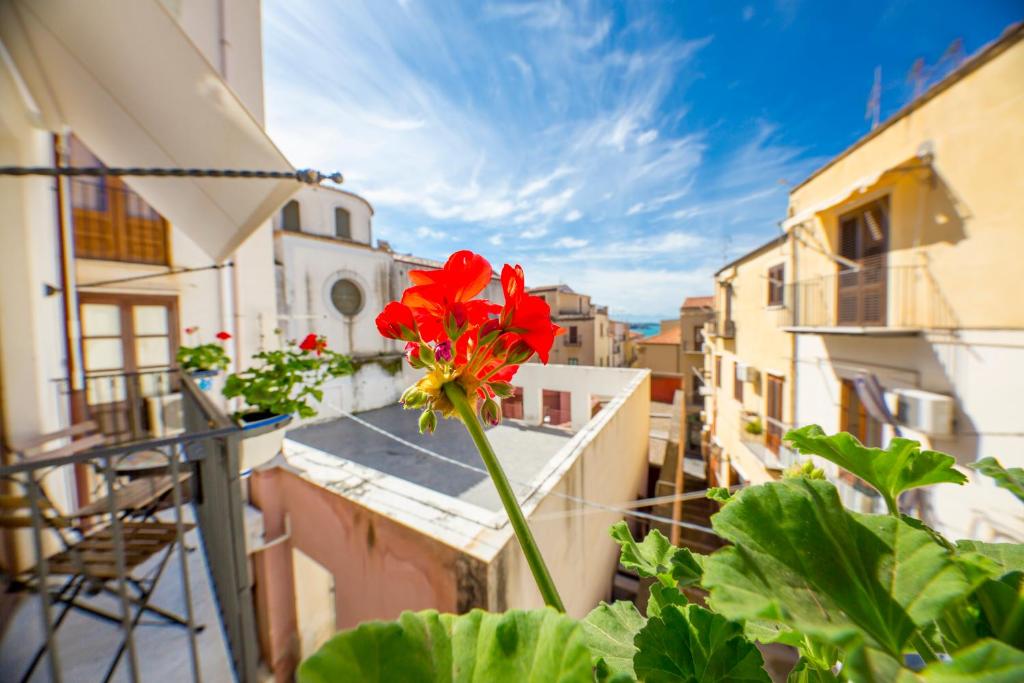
(588, 332)
(901, 306)
(749, 364)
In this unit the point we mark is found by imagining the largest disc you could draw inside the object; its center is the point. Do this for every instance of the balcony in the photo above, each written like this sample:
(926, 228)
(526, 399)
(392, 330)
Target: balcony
(719, 326)
(885, 301)
(574, 343)
(145, 575)
(763, 438)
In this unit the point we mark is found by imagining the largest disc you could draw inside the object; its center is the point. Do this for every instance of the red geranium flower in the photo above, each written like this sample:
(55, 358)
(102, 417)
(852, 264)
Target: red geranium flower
(314, 343)
(467, 340)
(396, 322)
(442, 300)
(223, 336)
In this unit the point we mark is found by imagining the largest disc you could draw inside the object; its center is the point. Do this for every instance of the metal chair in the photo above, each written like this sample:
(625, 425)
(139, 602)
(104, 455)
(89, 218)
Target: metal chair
(93, 557)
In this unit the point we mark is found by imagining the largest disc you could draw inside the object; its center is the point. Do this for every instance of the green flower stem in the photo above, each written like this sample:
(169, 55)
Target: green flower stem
(457, 396)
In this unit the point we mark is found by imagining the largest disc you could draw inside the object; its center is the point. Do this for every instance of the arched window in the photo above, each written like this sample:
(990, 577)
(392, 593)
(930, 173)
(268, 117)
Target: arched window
(342, 223)
(290, 217)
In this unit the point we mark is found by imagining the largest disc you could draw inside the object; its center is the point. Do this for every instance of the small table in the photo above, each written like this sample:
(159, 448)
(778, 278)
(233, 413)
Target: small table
(143, 464)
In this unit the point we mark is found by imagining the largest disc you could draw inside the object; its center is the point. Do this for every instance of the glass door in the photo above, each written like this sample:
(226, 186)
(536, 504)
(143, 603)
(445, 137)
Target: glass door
(128, 345)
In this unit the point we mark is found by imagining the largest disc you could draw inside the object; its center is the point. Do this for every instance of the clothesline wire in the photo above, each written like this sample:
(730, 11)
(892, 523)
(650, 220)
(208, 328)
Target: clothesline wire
(616, 508)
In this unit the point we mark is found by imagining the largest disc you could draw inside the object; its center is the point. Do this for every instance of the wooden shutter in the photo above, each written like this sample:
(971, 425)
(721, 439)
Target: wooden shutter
(773, 429)
(861, 293)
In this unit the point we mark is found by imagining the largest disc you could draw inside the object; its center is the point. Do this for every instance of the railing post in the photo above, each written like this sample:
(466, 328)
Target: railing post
(219, 509)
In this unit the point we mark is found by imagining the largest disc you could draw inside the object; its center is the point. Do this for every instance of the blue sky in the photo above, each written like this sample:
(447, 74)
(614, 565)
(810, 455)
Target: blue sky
(625, 149)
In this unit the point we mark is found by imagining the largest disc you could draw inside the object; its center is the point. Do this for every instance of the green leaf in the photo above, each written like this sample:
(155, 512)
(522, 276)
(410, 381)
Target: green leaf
(987, 661)
(661, 597)
(802, 560)
(656, 557)
(997, 571)
(1011, 479)
(692, 645)
(538, 645)
(718, 493)
(805, 672)
(608, 632)
(901, 467)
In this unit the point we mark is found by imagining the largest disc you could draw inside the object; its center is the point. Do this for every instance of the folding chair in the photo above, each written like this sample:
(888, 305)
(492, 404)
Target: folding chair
(92, 559)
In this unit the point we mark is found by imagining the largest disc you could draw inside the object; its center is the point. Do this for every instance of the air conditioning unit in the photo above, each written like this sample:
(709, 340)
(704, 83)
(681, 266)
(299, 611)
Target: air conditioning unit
(747, 373)
(705, 390)
(166, 416)
(924, 411)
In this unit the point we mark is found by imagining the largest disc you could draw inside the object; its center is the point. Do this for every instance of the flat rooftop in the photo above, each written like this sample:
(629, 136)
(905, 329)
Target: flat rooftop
(523, 451)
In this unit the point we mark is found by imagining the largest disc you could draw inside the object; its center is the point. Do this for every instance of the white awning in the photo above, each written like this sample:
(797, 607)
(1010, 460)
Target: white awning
(125, 78)
(860, 186)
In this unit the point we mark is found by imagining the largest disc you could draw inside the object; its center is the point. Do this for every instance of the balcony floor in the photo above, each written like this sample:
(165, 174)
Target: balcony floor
(87, 644)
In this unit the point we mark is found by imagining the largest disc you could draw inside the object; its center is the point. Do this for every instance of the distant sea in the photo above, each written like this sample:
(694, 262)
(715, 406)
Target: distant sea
(646, 329)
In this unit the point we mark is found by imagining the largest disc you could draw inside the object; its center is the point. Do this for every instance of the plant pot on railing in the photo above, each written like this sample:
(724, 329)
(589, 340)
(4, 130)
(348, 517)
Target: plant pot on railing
(262, 437)
(281, 385)
(203, 362)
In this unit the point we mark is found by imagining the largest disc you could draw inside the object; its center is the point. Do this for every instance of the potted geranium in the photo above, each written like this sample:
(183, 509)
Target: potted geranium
(203, 361)
(281, 384)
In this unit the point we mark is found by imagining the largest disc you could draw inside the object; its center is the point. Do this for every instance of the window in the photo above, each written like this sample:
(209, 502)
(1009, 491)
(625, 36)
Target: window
(776, 282)
(698, 337)
(737, 383)
(573, 337)
(864, 239)
(855, 419)
(110, 221)
(573, 361)
(773, 413)
(718, 371)
(342, 223)
(290, 219)
(346, 297)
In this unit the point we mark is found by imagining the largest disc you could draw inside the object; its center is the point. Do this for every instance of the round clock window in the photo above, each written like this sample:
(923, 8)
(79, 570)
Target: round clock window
(346, 297)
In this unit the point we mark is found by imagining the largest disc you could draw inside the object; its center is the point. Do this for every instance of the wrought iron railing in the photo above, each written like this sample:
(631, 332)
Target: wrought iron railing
(904, 297)
(95, 527)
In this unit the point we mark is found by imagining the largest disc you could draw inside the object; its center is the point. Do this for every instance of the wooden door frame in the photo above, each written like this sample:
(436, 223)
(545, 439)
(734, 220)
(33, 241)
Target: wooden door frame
(125, 301)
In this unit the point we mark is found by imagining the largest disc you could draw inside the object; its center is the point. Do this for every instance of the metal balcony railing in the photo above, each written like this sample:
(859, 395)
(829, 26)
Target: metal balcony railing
(93, 528)
(903, 297)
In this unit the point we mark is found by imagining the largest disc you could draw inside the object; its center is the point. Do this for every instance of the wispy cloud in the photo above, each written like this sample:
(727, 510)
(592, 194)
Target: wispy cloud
(514, 127)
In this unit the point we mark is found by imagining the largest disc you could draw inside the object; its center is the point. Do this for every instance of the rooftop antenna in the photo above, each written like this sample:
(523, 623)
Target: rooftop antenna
(874, 109)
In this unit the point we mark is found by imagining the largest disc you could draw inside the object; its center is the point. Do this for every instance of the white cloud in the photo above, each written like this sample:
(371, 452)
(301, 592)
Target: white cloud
(533, 233)
(573, 216)
(571, 243)
(646, 137)
(495, 240)
(430, 233)
(635, 209)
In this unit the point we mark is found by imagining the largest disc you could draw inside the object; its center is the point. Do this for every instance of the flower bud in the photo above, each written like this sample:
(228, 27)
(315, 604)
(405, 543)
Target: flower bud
(503, 389)
(489, 331)
(426, 355)
(428, 422)
(414, 398)
(443, 352)
(490, 412)
(519, 353)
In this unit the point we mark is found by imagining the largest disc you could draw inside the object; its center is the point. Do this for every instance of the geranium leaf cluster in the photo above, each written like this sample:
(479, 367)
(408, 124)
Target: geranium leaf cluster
(861, 597)
(287, 381)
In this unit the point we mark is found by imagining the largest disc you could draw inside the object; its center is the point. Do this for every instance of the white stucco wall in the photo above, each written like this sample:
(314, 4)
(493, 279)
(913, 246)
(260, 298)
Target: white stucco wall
(316, 212)
(983, 370)
(606, 462)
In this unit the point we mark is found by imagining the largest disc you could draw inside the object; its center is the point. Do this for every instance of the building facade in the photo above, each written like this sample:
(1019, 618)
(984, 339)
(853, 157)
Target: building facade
(588, 332)
(887, 306)
(748, 363)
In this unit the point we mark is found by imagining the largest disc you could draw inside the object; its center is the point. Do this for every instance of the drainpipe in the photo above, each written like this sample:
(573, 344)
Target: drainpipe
(222, 40)
(69, 298)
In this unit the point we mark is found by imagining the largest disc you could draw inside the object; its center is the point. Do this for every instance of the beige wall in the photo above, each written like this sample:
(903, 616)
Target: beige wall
(659, 358)
(760, 342)
(594, 329)
(960, 219)
(692, 321)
